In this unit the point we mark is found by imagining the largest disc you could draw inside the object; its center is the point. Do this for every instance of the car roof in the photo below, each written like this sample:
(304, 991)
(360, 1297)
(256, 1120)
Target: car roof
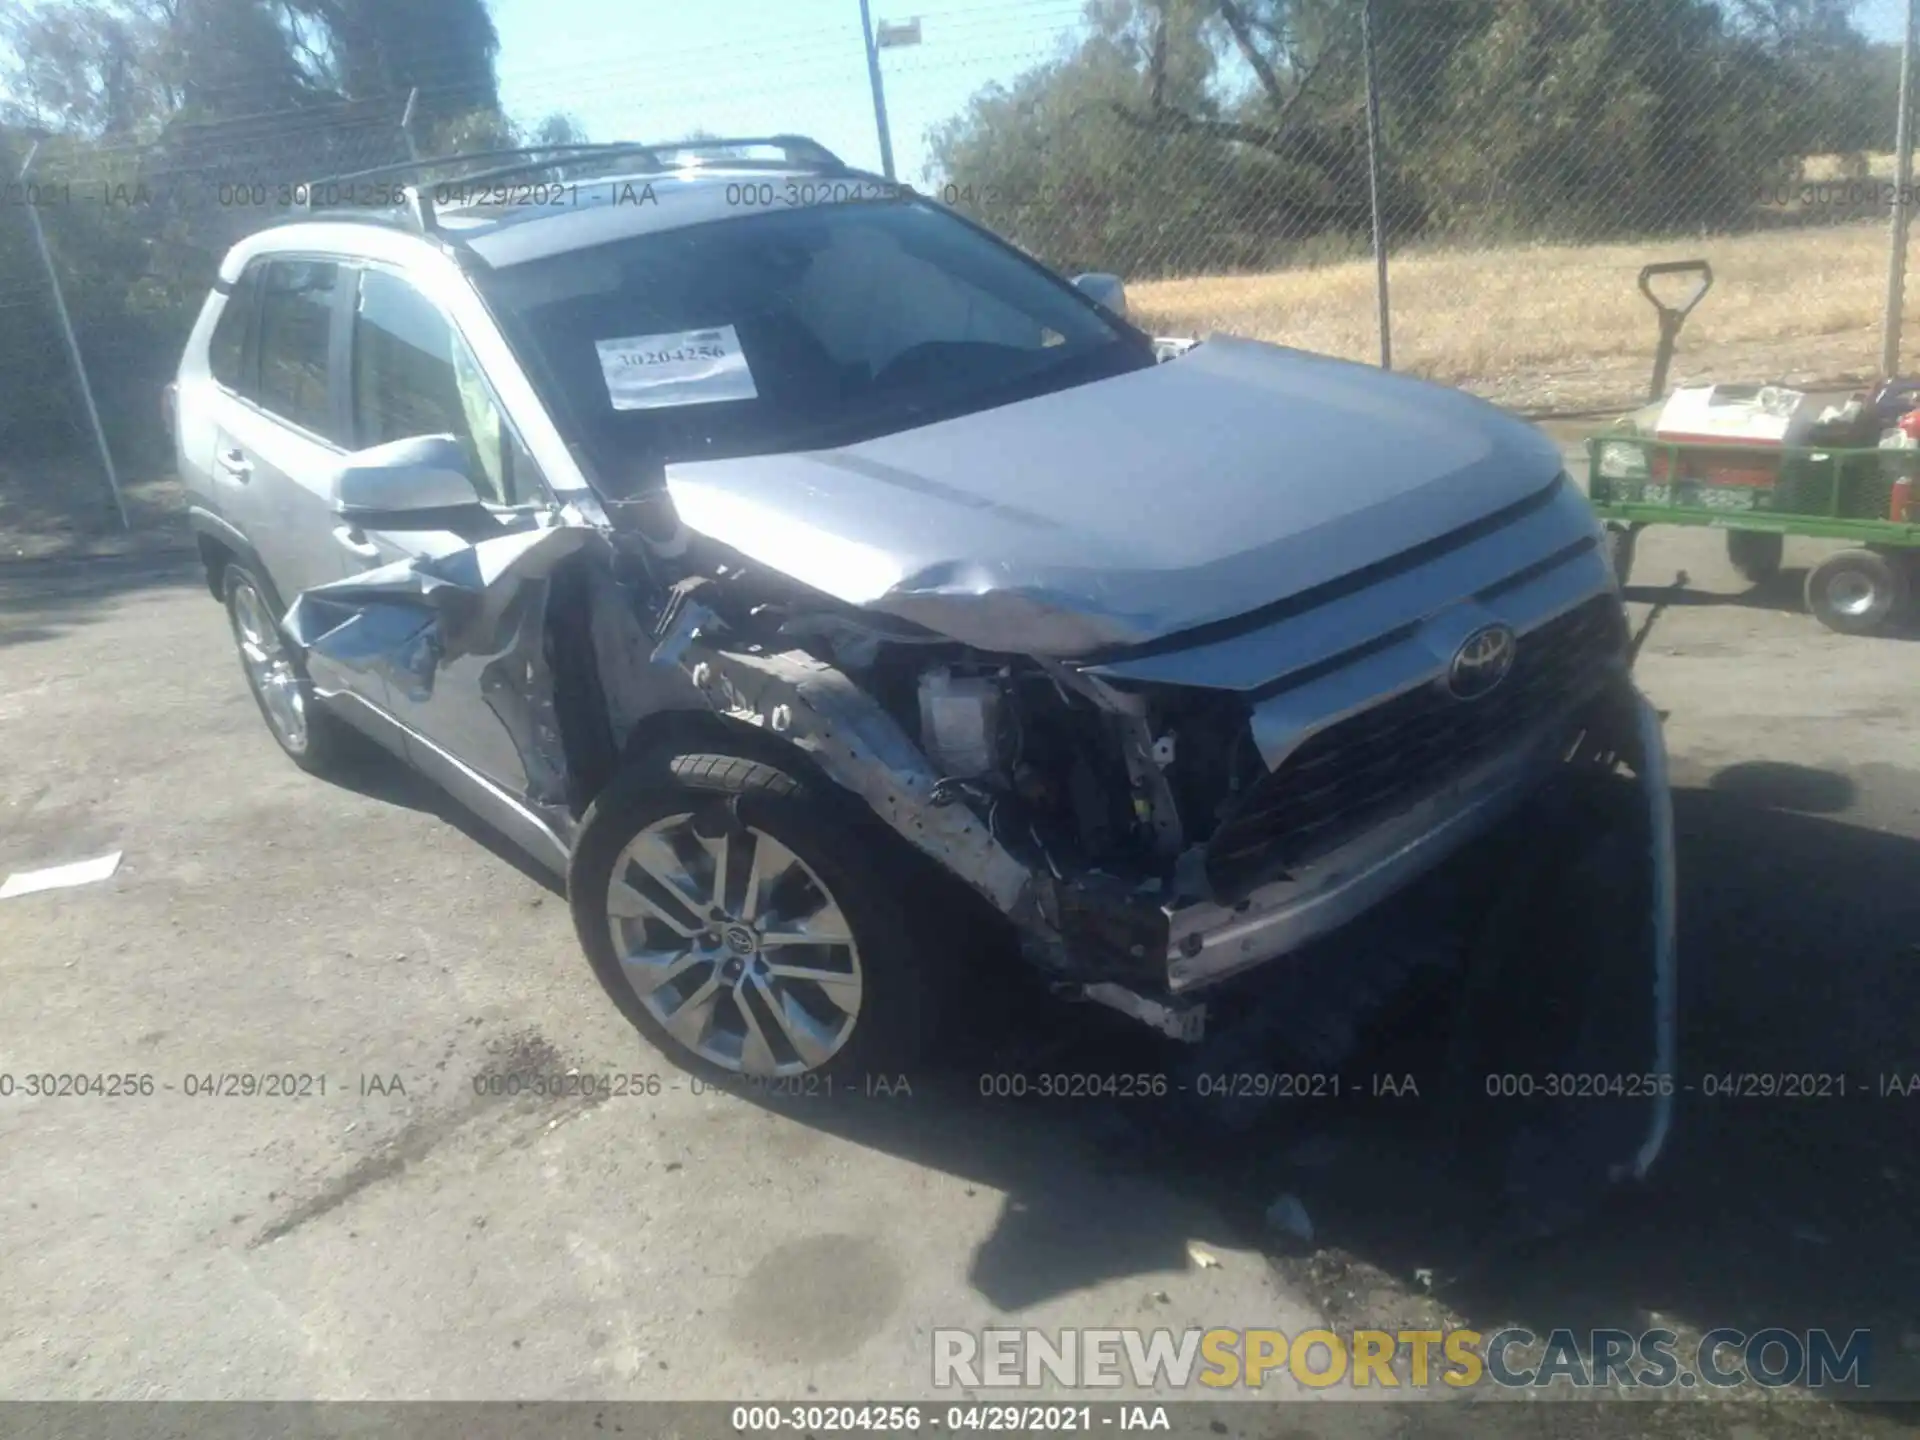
(508, 222)
(540, 221)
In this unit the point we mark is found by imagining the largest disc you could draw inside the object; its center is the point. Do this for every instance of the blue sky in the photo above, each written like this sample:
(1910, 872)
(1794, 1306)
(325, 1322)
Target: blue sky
(662, 68)
(659, 69)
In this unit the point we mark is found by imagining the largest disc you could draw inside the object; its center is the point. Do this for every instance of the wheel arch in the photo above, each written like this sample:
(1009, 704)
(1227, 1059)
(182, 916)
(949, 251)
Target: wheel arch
(220, 544)
(790, 711)
(596, 751)
(666, 733)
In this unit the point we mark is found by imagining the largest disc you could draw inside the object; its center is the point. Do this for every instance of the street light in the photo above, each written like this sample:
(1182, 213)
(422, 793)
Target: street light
(891, 37)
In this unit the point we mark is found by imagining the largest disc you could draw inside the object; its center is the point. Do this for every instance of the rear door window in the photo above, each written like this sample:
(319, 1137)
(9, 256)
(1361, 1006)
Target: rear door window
(230, 350)
(296, 323)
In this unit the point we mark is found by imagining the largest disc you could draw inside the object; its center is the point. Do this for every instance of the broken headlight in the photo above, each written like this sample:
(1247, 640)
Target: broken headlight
(960, 722)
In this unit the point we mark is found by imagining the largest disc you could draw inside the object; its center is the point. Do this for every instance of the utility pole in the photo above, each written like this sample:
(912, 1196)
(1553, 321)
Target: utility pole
(1902, 184)
(406, 123)
(1373, 185)
(879, 91)
(890, 37)
(73, 343)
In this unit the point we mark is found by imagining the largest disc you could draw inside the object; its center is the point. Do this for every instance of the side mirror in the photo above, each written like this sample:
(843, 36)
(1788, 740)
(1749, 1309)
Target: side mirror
(1104, 290)
(415, 484)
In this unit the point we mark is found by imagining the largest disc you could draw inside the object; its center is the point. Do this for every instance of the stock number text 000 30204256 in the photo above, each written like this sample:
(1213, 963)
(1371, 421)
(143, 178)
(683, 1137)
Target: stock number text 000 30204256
(898, 1418)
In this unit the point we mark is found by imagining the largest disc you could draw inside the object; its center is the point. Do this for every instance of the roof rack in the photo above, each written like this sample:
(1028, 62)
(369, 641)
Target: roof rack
(417, 208)
(796, 150)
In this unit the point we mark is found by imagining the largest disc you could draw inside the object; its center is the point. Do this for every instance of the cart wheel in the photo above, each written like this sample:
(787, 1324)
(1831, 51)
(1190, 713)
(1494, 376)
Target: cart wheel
(1856, 591)
(1620, 541)
(1755, 554)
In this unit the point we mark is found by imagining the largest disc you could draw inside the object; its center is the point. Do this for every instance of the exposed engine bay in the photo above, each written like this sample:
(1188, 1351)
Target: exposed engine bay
(1080, 785)
(1093, 814)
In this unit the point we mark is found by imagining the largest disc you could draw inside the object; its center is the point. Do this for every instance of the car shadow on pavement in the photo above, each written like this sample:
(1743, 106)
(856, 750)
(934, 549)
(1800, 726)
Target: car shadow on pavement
(366, 769)
(1784, 593)
(1787, 1194)
(42, 600)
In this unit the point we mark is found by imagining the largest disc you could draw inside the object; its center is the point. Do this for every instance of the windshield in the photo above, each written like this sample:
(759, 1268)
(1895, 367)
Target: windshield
(795, 329)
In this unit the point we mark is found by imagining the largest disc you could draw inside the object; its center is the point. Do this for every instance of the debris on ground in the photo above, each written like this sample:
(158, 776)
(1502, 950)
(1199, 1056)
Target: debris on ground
(60, 877)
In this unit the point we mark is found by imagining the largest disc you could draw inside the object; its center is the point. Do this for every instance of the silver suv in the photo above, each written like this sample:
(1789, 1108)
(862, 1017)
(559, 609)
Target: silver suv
(775, 553)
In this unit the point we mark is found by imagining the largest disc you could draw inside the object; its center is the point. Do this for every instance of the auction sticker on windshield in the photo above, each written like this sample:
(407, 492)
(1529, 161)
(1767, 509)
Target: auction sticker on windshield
(686, 367)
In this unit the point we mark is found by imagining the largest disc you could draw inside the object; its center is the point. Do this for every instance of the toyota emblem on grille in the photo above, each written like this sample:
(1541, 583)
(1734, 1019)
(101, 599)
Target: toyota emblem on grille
(1481, 662)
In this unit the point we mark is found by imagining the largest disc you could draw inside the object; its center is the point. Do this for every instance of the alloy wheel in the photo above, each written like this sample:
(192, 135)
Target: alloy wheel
(269, 667)
(734, 945)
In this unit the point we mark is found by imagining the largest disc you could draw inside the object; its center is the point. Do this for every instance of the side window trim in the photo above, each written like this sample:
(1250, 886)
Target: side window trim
(252, 278)
(244, 293)
(346, 305)
(542, 497)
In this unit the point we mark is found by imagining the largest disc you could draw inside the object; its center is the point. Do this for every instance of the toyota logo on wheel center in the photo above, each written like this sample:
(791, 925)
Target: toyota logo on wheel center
(1481, 662)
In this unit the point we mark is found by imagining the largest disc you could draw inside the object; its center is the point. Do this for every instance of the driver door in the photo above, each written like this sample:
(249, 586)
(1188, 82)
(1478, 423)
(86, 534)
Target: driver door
(412, 374)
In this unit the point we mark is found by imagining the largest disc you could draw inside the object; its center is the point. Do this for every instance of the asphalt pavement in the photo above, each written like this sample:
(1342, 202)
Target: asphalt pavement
(403, 1225)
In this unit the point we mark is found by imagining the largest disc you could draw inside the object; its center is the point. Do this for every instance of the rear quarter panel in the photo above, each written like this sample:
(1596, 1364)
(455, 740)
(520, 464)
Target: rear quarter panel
(197, 412)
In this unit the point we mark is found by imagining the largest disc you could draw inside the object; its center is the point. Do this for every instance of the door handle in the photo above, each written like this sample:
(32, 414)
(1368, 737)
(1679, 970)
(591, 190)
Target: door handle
(234, 462)
(355, 543)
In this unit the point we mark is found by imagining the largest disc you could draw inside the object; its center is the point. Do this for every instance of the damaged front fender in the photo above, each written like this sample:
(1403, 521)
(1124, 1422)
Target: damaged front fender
(857, 745)
(405, 620)
(444, 658)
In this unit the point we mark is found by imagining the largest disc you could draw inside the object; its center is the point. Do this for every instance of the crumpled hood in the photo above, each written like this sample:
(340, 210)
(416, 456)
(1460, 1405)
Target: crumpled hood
(1129, 509)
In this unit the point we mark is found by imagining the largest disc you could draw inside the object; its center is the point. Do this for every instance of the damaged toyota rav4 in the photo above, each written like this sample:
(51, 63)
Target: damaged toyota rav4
(773, 552)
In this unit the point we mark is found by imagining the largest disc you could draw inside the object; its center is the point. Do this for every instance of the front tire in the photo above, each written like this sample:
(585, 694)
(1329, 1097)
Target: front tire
(1856, 592)
(749, 926)
(310, 736)
(1621, 540)
(1756, 554)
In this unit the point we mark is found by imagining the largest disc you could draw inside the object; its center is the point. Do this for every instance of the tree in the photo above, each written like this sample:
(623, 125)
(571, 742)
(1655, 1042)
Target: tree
(1187, 135)
(558, 128)
(92, 66)
(1117, 154)
(196, 120)
(444, 48)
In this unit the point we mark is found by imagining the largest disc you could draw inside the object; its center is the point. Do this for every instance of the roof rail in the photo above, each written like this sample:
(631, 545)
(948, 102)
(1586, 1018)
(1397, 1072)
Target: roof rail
(795, 150)
(416, 207)
(442, 162)
(415, 204)
(414, 211)
(530, 166)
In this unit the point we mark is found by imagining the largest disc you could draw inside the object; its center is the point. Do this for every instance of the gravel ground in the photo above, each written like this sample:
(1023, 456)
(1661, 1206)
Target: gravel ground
(409, 1234)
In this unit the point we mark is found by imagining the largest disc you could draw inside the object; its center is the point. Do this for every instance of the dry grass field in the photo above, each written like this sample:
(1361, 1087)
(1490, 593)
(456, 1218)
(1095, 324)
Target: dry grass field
(1563, 327)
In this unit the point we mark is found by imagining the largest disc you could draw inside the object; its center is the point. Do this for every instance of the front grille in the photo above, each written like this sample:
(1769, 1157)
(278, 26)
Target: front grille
(1352, 775)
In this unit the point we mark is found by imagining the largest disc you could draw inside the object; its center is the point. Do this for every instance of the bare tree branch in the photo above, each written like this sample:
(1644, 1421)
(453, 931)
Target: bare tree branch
(1294, 142)
(1256, 58)
(1243, 26)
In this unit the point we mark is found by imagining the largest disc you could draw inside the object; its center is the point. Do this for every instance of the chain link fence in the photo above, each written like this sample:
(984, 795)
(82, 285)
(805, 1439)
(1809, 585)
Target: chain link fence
(135, 234)
(1531, 156)
(1529, 164)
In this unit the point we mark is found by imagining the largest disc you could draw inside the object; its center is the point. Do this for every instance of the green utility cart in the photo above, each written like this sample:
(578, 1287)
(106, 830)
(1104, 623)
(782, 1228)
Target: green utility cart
(1759, 494)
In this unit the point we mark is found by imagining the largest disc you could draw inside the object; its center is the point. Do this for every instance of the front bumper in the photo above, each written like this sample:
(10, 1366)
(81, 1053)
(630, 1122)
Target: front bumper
(1210, 943)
